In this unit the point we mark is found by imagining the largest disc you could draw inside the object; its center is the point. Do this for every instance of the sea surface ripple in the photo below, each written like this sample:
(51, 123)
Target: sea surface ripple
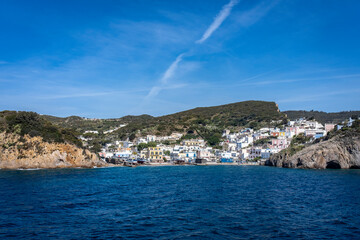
(181, 202)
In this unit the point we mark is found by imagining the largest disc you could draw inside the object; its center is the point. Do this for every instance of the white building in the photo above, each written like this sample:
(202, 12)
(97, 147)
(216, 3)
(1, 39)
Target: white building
(254, 153)
(151, 138)
(266, 153)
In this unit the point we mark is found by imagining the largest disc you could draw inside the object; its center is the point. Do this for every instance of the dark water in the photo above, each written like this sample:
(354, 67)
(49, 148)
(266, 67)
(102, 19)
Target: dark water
(197, 202)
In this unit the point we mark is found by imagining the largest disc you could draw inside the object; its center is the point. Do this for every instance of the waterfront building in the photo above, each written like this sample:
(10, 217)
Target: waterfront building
(123, 153)
(144, 154)
(204, 154)
(266, 153)
(190, 156)
(155, 154)
(254, 153)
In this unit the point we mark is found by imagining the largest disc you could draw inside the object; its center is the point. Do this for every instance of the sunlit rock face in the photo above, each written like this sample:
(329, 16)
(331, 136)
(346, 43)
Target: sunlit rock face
(339, 152)
(33, 152)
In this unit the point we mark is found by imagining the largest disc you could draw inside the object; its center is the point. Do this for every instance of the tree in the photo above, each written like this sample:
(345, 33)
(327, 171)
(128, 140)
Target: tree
(214, 139)
(152, 144)
(253, 124)
(141, 146)
(132, 136)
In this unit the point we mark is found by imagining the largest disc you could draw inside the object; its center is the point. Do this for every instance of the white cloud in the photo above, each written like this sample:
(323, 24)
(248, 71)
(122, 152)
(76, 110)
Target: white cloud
(166, 76)
(219, 19)
(156, 89)
(171, 69)
(253, 15)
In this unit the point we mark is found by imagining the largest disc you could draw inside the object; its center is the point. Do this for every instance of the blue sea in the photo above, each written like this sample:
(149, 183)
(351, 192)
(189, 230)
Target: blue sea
(180, 202)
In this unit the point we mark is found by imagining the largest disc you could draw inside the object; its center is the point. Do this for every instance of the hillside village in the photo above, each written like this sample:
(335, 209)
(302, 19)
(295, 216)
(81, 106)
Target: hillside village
(197, 136)
(247, 146)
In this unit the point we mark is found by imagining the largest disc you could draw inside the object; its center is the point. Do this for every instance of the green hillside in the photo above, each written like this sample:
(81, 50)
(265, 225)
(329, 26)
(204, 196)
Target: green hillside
(83, 124)
(207, 122)
(34, 124)
(323, 117)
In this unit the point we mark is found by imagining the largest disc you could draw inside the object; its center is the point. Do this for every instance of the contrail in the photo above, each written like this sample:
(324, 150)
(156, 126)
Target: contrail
(172, 68)
(170, 71)
(167, 75)
(223, 14)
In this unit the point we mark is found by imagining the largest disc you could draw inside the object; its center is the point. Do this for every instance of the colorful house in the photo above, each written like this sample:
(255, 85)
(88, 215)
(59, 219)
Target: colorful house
(155, 154)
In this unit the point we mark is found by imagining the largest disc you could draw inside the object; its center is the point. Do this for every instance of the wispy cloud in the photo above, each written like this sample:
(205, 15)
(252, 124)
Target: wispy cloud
(171, 69)
(253, 15)
(157, 89)
(219, 19)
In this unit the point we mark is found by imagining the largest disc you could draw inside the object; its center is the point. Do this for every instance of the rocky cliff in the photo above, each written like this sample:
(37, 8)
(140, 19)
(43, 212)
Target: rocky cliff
(342, 151)
(32, 152)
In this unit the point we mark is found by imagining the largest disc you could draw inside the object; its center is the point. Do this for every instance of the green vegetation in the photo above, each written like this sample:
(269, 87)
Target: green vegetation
(356, 125)
(142, 146)
(189, 136)
(33, 124)
(208, 122)
(205, 122)
(322, 117)
(298, 143)
(300, 139)
(255, 159)
(353, 130)
(262, 141)
(84, 124)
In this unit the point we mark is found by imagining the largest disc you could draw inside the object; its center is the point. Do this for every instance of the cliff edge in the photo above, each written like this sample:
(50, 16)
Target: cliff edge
(27, 140)
(32, 152)
(341, 151)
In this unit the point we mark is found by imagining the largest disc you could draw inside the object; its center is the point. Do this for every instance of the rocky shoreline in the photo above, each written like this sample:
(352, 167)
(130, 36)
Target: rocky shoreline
(340, 152)
(33, 153)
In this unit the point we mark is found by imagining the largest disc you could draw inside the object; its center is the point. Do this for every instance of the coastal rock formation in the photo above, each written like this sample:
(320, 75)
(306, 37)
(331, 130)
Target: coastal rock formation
(32, 152)
(342, 151)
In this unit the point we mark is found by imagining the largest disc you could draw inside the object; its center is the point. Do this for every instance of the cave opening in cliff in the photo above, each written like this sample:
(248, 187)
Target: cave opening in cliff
(333, 165)
(355, 167)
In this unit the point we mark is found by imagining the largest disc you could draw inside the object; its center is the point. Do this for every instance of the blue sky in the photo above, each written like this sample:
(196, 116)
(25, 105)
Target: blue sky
(113, 58)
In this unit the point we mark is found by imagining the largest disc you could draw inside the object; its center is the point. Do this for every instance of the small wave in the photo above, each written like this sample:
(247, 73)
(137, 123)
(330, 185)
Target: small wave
(28, 169)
